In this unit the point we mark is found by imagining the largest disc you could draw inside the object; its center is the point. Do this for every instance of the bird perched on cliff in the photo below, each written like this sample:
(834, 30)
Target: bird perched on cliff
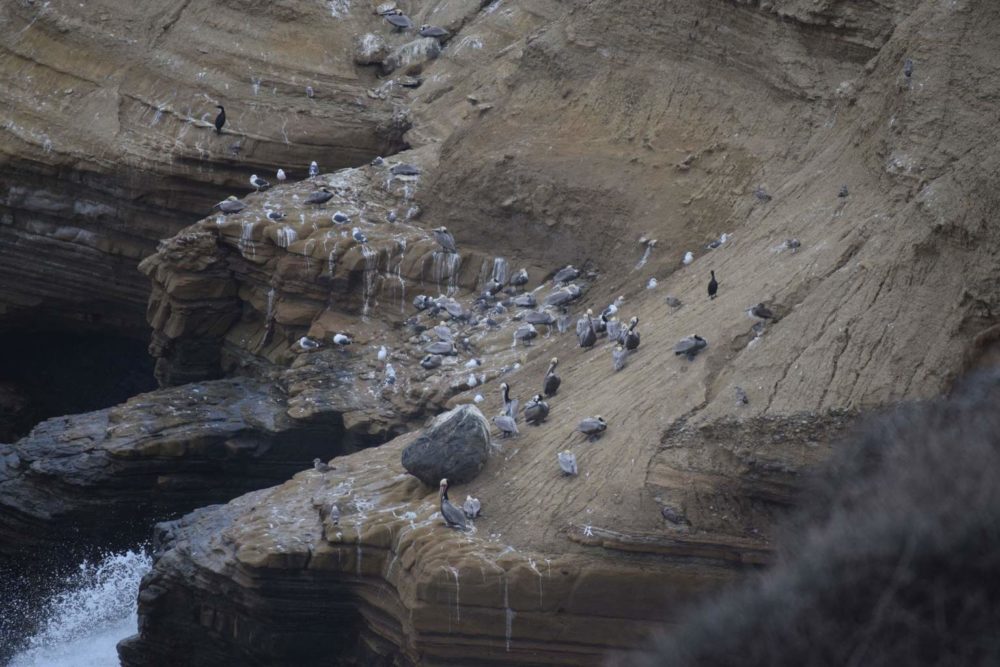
(382, 353)
(444, 239)
(390, 375)
(843, 191)
(592, 426)
(715, 243)
(443, 331)
(567, 462)
(519, 278)
(540, 317)
(761, 194)
(332, 512)
(612, 308)
(793, 244)
(442, 347)
(282, 177)
(453, 517)
(440, 34)
(230, 205)
(509, 406)
(688, 257)
(399, 21)
(307, 343)
(275, 216)
(321, 467)
(340, 218)
(907, 68)
(552, 381)
(310, 93)
(630, 338)
(319, 197)
(526, 300)
(507, 425)
(713, 286)
(690, 346)
(585, 333)
(525, 334)
(618, 357)
(259, 183)
(220, 119)
(358, 236)
(741, 396)
(536, 410)
(760, 311)
(652, 283)
(673, 301)
(566, 274)
(404, 169)
(342, 339)
(431, 361)
(313, 169)
(471, 507)
(614, 329)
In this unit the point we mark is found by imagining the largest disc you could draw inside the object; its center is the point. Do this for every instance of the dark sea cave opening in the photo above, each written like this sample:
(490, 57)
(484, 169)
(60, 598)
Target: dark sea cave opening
(48, 373)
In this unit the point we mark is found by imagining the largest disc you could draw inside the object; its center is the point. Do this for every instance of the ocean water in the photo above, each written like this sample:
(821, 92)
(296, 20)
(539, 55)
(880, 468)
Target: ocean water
(94, 610)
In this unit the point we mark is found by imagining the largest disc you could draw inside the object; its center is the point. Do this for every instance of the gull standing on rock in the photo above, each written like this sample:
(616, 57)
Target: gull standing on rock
(276, 216)
(281, 176)
(313, 169)
(358, 236)
(471, 507)
(321, 467)
(342, 339)
(453, 517)
(259, 183)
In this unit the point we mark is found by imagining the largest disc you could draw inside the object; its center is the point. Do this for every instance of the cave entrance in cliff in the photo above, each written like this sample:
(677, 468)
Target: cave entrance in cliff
(47, 373)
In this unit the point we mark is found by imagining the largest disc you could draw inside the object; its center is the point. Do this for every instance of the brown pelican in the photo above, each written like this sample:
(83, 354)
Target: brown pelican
(507, 425)
(566, 274)
(431, 361)
(400, 21)
(444, 239)
(690, 346)
(454, 517)
(443, 331)
(592, 426)
(567, 461)
(525, 334)
(321, 467)
(440, 34)
(220, 120)
(404, 169)
(526, 301)
(230, 205)
(509, 406)
(614, 329)
(562, 296)
(519, 278)
(540, 317)
(471, 507)
(612, 309)
(259, 183)
(618, 357)
(552, 381)
(713, 286)
(319, 197)
(587, 336)
(536, 410)
(762, 312)
(631, 337)
(442, 347)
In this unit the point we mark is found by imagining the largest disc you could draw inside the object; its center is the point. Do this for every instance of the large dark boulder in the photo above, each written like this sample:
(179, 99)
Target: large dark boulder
(454, 446)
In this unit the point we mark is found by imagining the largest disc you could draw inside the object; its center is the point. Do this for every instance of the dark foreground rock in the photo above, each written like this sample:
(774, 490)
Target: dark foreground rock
(454, 446)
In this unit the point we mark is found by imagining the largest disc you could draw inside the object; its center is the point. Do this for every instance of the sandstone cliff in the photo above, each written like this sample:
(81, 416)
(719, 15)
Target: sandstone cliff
(549, 133)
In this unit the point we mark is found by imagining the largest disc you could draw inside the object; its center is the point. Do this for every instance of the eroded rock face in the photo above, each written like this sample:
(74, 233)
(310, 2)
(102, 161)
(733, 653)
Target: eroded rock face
(453, 447)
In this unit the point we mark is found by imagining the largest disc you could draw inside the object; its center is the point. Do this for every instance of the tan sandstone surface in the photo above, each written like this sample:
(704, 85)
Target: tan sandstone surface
(549, 133)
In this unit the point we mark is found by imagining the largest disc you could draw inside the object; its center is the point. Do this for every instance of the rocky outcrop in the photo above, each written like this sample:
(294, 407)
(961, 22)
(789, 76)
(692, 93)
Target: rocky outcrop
(101, 475)
(455, 446)
(108, 144)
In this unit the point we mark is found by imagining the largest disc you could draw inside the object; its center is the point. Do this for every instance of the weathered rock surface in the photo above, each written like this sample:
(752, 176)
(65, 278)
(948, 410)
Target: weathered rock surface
(547, 134)
(99, 476)
(107, 143)
(455, 446)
